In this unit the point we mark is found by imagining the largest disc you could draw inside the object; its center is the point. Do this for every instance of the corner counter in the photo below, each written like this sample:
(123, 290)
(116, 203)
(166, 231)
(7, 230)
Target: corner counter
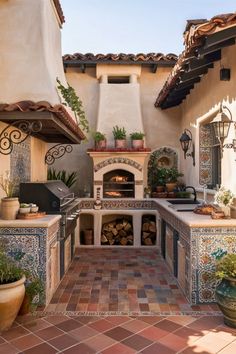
(35, 243)
(187, 243)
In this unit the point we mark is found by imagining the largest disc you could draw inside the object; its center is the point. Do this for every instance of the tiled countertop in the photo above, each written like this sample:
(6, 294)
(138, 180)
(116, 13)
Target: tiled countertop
(46, 221)
(195, 220)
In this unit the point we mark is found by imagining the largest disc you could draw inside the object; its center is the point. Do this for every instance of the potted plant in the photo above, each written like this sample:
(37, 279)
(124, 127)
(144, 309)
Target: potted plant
(137, 140)
(33, 287)
(226, 289)
(157, 178)
(100, 140)
(224, 198)
(172, 175)
(9, 204)
(120, 137)
(24, 208)
(12, 290)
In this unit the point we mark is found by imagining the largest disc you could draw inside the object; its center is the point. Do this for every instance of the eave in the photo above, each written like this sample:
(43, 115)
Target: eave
(193, 64)
(57, 126)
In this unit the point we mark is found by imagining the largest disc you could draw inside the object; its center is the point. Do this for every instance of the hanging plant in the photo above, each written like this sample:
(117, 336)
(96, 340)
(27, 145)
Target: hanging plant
(74, 102)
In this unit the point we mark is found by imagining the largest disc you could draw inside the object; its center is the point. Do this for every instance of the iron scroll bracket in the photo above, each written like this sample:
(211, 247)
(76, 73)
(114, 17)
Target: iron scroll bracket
(16, 133)
(56, 152)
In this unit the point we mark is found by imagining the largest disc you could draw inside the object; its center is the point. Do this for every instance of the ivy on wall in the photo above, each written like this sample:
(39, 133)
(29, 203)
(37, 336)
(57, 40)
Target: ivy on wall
(74, 102)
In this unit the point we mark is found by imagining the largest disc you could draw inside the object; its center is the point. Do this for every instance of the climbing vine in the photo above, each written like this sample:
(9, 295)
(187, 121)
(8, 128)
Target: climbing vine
(73, 101)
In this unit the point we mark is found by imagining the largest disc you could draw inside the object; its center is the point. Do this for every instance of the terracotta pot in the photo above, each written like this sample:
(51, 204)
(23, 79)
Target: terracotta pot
(11, 297)
(171, 186)
(120, 144)
(137, 144)
(226, 300)
(9, 208)
(160, 189)
(99, 145)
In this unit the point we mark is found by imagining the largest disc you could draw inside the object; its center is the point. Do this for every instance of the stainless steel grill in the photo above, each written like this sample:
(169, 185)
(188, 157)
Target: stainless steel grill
(54, 197)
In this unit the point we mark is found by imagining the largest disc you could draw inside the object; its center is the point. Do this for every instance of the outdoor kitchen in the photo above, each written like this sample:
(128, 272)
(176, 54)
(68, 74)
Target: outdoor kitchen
(181, 108)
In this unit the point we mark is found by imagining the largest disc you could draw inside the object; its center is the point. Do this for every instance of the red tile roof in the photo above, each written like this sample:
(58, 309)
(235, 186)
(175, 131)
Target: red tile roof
(59, 10)
(121, 57)
(42, 106)
(194, 38)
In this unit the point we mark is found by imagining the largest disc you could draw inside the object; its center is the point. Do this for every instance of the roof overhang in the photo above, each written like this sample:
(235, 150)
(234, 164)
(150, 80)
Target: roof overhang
(153, 60)
(57, 126)
(194, 63)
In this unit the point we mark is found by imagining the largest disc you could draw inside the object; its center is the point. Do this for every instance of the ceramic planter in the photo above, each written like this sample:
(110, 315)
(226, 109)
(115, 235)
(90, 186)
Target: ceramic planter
(226, 299)
(99, 145)
(11, 297)
(171, 186)
(120, 143)
(9, 208)
(137, 144)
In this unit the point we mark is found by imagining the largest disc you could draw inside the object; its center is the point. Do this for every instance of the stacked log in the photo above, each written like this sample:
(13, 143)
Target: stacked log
(148, 231)
(117, 232)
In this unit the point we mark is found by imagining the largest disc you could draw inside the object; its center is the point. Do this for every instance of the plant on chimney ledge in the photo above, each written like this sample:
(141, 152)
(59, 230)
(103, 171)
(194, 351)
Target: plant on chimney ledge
(74, 102)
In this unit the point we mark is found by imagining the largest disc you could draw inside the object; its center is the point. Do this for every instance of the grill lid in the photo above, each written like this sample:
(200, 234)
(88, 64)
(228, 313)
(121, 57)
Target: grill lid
(49, 195)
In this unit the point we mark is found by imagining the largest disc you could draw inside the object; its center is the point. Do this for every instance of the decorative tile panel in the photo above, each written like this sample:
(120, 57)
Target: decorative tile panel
(115, 160)
(205, 241)
(20, 161)
(205, 154)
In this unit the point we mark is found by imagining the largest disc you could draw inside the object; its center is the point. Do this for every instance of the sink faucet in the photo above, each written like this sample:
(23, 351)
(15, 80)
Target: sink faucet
(194, 191)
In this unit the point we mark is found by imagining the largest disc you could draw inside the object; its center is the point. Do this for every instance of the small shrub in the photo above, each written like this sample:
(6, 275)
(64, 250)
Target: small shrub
(119, 133)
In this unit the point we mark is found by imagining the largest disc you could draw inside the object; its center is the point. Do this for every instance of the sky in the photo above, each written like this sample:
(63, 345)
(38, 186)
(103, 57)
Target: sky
(132, 26)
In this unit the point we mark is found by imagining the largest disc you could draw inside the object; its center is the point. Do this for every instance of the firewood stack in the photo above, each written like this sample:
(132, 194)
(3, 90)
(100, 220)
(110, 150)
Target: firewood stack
(148, 232)
(117, 232)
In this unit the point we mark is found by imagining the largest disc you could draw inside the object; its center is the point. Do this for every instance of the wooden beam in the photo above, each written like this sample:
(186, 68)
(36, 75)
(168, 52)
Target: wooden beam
(197, 63)
(195, 73)
(221, 36)
(154, 68)
(206, 50)
(188, 83)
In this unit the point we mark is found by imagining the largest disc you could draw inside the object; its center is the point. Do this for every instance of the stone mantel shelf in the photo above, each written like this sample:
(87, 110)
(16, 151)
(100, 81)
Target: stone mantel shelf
(46, 222)
(113, 150)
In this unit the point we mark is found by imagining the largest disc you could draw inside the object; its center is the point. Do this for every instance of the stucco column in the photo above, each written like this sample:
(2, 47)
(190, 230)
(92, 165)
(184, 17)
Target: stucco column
(104, 79)
(133, 79)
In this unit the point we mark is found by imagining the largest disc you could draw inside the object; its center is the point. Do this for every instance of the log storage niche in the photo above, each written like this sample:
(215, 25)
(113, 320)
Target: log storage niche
(149, 230)
(117, 230)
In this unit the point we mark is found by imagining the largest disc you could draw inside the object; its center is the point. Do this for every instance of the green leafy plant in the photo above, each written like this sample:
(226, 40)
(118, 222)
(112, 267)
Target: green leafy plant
(119, 133)
(224, 196)
(172, 175)
(226, 266)
(74, 102)
(98, 136)
(9, 269)
(8, 184)
(137, 136)
(157, 176)
(68, 178)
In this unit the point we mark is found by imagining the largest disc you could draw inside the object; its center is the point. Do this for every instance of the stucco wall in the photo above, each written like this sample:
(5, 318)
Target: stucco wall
(162, 128)
(38, 166)
(30, 44)
(201, 105)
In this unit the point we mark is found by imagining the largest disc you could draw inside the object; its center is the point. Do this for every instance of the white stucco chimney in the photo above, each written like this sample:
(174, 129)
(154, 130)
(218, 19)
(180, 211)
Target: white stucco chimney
(119, 103)
(30, 47)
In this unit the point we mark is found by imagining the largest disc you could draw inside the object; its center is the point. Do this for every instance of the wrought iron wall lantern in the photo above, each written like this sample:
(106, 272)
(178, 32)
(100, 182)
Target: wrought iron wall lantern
(186, 141)
(221, 125)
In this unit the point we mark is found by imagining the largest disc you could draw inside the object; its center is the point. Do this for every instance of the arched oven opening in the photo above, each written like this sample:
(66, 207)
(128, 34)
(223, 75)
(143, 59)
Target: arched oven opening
(118, 184)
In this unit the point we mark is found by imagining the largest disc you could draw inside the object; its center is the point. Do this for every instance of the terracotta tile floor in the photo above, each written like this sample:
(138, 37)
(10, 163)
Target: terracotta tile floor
(130, 281)
(105, 277)
(119, 334)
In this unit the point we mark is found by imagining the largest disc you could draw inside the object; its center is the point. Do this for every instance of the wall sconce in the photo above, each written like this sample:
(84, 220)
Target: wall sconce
(221, 125)
(186, 141)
